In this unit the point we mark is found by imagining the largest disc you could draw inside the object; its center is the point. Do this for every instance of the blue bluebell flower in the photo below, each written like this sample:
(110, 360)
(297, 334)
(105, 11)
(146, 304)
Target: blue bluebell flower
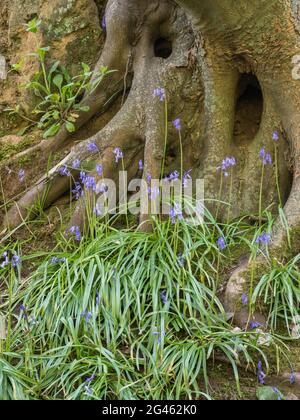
(118, 154)
(275, 136)
(260, 373)
(92, 147)
(244, 299)
(263, 239)
(164, 297)
(266, 157)
(75, 231)
(76, 164)
(221, 242)
(99, 169)
(160, 93)
(177, 124)
(64, 171)
(176, 213)
(21, 175)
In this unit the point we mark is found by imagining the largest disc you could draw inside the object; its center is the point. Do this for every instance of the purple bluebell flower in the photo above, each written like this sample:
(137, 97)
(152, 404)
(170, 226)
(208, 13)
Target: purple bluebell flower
(90, 183)
(21, 175)
(244, 299)
(103, 188)
(174, 176)
(77, 190)
(177, 124)
(227, 163)
(87, 386)
(97, 211)
(87, 316)
(186, 178)
(254, 325)
(266, 157)
(82, 176)
(160, 335)
(23, 311)
(260, 373)
(176, 213)
(275, 136)
(76, 164)
(118, 154)
(64, 171)
(292, 378)
(160, 93)
(263, 239)
(221, 242)
(5, 262)
(164, 297)
(99, 169)
(16, 261)
(92, 147)
(56, 260)
(75, 231)
(153, 193)
(141, 165)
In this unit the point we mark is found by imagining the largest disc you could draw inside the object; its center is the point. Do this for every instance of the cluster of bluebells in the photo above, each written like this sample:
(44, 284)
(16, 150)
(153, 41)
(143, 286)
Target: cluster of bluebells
(87, 315)
(15, 261)
(74, 231)
(119, 155)
(160, 93)
(263, 239)
(254, 325)
(176, 213)
(227, 163)
(64, 171)
(266, 157)
(87, 386)
(56, 260)
(174, 176)
(77, 190)
(261, 376)
(76, 164)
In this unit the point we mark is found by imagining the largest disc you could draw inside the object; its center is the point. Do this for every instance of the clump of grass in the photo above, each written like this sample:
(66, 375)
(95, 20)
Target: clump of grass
(125, 315)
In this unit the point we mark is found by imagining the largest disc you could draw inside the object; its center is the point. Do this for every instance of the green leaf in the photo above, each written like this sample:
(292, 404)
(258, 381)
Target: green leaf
(52, 130)
(70, 127)
(58, 80)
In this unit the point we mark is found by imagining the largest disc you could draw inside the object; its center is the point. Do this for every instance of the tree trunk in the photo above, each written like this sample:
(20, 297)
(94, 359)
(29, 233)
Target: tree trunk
(228, 72)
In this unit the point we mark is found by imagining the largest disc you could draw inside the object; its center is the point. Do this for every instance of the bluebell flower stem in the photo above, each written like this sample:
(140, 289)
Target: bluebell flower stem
(277, 176)
(261, 194)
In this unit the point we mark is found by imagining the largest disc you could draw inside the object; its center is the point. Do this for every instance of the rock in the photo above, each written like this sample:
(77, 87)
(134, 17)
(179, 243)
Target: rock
(11, 140)
(236, 286)
(241, 319)
(291, 397)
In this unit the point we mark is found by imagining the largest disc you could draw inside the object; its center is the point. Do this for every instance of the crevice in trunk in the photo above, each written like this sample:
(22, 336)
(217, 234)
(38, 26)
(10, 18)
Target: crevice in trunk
(249, 109)
(163, 48)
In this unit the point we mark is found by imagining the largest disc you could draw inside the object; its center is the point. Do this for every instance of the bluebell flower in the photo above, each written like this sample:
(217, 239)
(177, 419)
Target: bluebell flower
(92, 147)
(118, 154)
(254, 325)
(5, 262)
(266, 157)
(75, 231)
(103, 22)
(64, 171)
(160, 335)
(260, 374)
(82, 176)
(177, 124)
(87, 316)
(221, 242)
(76, 164)
(160, 93)
(263, 239)
(275, 136)
(244, 299)
(56, 260)
(99, 169)
(227, 163)
(23, 311)
(21, 175)
(176, 213)
(174, 176)
(77, 190)
(292, 378)
(141, 165)
(16, 261)
(90, 183)
(153, 193)
(186, 178)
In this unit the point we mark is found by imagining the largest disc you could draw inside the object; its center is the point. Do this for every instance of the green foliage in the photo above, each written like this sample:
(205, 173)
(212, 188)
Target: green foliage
(58, 93)
(96, 326)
